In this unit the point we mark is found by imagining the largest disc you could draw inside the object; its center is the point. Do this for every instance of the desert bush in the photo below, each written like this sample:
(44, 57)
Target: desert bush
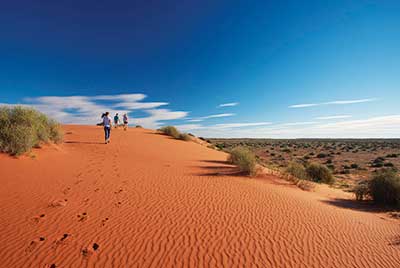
(138, 126)
(173, 132)
(388, 164)
(354, 166)
(184, 137)
(220, 146)
(297, 170)
(23, 128)
(384, 187)
(378, 162)
(244, 159)
(319, 173)
(170, 131)
(361, 190)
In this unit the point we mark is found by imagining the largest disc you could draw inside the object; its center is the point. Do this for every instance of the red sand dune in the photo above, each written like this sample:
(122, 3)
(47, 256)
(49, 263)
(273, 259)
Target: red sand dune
(147, 200)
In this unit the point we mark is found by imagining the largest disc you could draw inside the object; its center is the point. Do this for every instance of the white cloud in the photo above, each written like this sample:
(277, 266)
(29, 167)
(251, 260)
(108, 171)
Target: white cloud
(338, 102)
(333, 117)
(140, 105)
(121, 97)
(304, 105)
(351, 101)
(88, 109)
(217, 116)
(298, 123)
(230, 104)
(239, 125)
(374, 127)
(188, 127)
(199, 119)
(195, 120)
(157, 116)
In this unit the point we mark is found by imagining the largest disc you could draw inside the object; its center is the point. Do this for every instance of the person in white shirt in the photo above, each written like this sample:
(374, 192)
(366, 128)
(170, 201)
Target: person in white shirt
(107, 127)
(125, 118)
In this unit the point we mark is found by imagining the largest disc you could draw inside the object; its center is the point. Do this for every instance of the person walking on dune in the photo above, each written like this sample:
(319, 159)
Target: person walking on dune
(107, 127)
(125, 118)
(116, 120)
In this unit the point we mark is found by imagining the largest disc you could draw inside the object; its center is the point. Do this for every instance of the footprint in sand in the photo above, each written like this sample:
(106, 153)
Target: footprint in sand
(78, 181)
(90, 250)
(119, 191)
(62, 240)
(104, 221)
(82, 217)
(34, 244)
(96, 190)
(66, 190)
(118, 204)
(58, 203)
(38, 218)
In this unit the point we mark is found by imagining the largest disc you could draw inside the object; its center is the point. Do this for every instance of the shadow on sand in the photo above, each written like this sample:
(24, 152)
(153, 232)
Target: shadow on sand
(222, 162)
(222, 169)
(366, 206)
(83, 142)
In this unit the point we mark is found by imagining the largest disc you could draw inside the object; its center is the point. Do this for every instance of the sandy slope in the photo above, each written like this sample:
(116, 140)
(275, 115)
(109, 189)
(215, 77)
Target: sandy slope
(150, 201)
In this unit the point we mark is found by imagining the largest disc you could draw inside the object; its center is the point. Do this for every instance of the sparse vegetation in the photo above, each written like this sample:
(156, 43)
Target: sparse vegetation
(297, 170)
(23, 128)
(173, 132)
(384, 187)
(349, 160)
(170, 131)
(361, 190)
(244, 159)
(319, 173)
(184, 137)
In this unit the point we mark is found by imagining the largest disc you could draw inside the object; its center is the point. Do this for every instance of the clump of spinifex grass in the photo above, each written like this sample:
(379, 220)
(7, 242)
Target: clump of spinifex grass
(301, 175)
(319, 173)
(23, 128)
(244, 159)
(173, 132)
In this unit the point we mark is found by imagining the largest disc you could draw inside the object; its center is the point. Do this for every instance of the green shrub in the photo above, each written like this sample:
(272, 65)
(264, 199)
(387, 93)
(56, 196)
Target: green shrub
(297, 170)
(389, 164)
(244, 159)
(23, 128)
(384, 187)
(355, 166)
(319, 173)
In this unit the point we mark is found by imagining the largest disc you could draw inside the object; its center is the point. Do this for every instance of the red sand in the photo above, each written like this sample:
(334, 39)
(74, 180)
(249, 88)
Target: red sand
(148, 200)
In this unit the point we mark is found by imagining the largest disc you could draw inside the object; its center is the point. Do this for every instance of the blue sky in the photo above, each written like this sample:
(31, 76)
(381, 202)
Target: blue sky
(176, 62)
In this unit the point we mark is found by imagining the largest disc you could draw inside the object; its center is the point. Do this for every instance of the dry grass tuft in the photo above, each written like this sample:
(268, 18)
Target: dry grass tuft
(244, 159)
(23, 128)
